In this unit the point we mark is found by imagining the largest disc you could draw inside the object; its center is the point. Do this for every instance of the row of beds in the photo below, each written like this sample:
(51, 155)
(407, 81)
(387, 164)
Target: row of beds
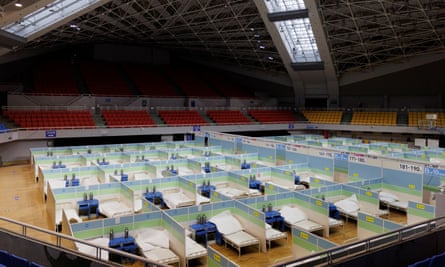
(349, 207)
(230, 229)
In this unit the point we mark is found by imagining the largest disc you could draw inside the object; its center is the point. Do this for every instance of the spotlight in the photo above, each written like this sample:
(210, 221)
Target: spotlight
(18, 4)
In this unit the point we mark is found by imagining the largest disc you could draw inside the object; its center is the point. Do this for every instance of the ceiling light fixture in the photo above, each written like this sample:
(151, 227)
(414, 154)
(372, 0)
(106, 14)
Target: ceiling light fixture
(18, 4)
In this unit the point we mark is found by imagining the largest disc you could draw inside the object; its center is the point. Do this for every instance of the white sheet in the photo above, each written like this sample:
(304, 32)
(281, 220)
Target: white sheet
(226, 223)
(161, 255)
(91, 250)
(273, 234)
(193, 249)
(155, 245)
(114, 208)
(200, 199)
(178, 199)
(348, 205)
(294, 216)
(233, 192)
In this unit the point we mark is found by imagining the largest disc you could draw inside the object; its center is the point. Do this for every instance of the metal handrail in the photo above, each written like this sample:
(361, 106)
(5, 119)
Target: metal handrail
(329, 256)
(59, 237)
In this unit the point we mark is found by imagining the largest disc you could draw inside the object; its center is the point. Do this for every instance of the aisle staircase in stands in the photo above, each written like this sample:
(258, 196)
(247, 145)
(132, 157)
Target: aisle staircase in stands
(346, 117)
(402, 118)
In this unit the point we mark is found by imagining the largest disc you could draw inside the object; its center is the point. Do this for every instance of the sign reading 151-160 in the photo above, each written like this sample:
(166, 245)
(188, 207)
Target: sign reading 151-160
(410, 167)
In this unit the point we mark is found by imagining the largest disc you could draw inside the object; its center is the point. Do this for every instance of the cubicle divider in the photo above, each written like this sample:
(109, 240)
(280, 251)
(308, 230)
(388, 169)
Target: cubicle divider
(133, 171)
(260, 173)
(318, 183)
(358, 148)
(217, 259)
(370, 184)
(67, 198)
(146, 155)
(418, 155)
(271, 189)
(305, 243)
(341, 166)
(433, 178)
(361, 166)
(285, 175)
(437, 155)
(405, 178)
(57, 162)
(419, 212)
(177, 236)
(369, 225)
(177, 153)
(111, 158)
(265, 149)
(80, 173)
(134, 223)
(368, 199)
(252, 221)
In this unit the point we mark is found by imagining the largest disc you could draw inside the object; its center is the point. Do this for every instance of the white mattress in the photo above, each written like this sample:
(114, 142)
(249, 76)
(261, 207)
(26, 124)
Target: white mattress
(161, 255)
(232, 192)
(308, 225)
(274, 234)
(193, 249)
(176, 200)
(114, 208)
(91, 250)
(241, 239)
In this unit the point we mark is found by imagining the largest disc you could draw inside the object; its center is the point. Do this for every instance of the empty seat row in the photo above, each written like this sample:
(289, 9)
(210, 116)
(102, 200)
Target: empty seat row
(12, 260)
(273, 116)
(317, 116)
(228, 116)
(116, 118)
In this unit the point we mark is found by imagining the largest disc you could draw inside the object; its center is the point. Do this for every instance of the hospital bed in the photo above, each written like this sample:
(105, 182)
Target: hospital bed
(235, 193)
(273, 234)
(348, 207)
(232, 232)
(154, 244)
(175, 198)
(392, 201)
(92, 250)
(193, 250)
(112, 208)
(294, 216)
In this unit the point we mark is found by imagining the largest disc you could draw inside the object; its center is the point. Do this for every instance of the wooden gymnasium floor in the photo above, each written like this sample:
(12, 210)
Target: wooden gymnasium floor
(21, 201)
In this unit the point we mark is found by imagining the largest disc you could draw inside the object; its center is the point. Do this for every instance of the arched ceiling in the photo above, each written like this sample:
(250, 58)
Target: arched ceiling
(361, 35)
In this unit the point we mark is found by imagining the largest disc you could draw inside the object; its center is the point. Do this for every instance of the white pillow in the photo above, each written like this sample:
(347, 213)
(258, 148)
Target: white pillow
(292, 214)
(388, 197)
(347, 205)
(155, 237)
(226, 223)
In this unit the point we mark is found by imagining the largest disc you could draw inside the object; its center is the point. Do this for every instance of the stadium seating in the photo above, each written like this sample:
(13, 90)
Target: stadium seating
(43, 119)
(104, 79)
(415, 118)
(182, 117)
(150, 81)
(228, 116)
(54, 77)
(190, 82)
(323, 116)
(374, 118)
(273, 116)
(226, 87)
(127, 118)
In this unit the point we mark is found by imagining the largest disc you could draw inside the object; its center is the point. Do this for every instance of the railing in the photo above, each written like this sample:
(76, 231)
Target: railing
(361, 247)
(58, 240)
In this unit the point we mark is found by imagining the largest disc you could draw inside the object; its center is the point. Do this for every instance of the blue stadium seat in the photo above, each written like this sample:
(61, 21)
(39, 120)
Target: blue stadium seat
(19, 261)
(5, 259)
(422, 263)
(437, 260)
